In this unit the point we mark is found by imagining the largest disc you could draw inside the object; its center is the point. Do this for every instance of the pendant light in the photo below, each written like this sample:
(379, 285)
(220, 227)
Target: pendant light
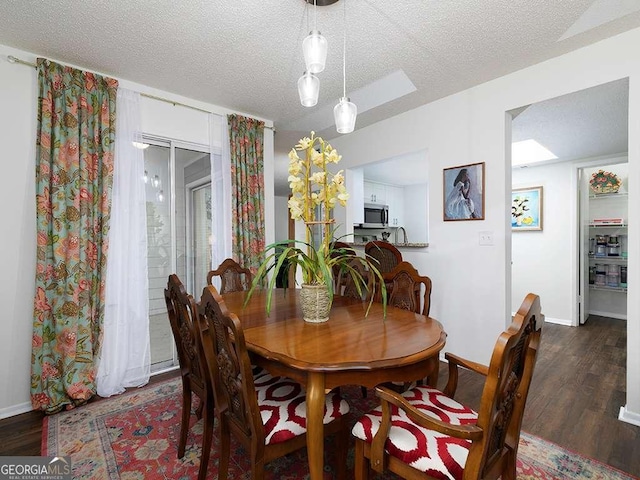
(314, 47)
(345, 112)
(308, 89)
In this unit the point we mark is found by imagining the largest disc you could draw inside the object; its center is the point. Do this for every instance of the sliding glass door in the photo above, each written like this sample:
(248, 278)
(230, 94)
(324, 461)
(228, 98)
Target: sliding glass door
(171, 170)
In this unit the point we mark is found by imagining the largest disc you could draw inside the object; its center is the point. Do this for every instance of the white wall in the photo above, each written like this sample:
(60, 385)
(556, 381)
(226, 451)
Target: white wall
(18, 98)
(415, 213)
(472, 283)
(542, 259)
(281, 218)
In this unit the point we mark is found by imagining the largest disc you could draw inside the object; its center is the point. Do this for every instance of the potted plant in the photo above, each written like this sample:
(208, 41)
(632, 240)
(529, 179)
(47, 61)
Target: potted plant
(312, 186)
(604, 182)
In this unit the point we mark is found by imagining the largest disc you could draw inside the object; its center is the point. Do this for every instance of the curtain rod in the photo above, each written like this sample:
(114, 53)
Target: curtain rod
(13, 59)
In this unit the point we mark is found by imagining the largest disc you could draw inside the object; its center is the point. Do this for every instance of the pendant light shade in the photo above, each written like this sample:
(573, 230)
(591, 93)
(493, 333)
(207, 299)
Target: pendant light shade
(314, 48)
(344, 114)
(308, 89)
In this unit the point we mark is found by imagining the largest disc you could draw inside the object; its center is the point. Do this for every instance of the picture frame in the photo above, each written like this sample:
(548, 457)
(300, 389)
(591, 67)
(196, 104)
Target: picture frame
(463, 192)
(526, 209)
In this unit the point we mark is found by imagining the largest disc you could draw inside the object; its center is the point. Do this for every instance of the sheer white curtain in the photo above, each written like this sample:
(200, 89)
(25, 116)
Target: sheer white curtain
(125, 354)
(220, 191)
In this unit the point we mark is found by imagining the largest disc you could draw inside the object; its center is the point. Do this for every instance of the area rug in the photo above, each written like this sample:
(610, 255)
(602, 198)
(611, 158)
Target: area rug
(134, 436)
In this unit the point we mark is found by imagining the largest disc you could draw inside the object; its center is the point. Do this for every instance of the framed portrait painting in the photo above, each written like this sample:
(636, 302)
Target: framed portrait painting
(526, 209)
(463, 192)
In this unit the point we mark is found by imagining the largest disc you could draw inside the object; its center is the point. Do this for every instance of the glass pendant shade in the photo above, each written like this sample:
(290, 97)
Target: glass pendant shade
(314, 48)
(308, 89)
(344, 114)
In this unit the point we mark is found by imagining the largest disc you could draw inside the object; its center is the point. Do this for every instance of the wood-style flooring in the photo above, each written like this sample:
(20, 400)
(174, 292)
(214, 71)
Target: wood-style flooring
(574, 401)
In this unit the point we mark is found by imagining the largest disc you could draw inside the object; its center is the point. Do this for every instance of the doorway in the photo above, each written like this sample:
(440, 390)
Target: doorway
(580, 129)
(176, 177)
(603, 243)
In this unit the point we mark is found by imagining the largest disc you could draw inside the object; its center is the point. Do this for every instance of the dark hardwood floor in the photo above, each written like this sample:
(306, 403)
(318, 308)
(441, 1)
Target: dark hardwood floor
(576, 394)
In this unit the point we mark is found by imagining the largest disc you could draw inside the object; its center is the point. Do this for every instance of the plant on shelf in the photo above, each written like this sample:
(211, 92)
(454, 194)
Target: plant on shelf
(315, 192)
(604, 182)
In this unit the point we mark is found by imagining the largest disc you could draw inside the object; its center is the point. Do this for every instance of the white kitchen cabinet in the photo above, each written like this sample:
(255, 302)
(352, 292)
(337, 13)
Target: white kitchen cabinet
(395, 199)
(375, 192)
(354, 181)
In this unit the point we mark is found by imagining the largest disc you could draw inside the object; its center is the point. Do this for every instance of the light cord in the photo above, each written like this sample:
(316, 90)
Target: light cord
(344, 51)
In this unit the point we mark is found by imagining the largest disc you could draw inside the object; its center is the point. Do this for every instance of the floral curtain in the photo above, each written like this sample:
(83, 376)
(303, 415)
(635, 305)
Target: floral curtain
(246, 138)
(74, 174)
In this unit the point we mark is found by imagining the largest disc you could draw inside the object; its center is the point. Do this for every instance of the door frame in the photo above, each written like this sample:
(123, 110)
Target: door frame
(578, 235)
(172, 144)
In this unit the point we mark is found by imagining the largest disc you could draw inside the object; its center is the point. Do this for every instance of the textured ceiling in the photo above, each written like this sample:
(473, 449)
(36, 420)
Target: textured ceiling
(585, 124)
(247, 56)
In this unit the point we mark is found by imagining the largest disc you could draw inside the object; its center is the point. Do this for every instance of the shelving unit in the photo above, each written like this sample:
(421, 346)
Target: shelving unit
(607, 214)
(611, 289)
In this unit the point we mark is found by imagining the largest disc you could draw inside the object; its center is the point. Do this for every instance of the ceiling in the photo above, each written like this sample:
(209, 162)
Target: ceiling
(589, 123)
(247, 56)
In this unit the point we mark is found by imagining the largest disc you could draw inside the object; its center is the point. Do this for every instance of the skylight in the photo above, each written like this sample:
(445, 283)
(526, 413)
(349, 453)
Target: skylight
(529, 151)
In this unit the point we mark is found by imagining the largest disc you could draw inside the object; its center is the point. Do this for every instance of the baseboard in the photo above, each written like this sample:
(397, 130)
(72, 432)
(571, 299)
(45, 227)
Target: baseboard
(558, 321)
(15, 410)
(618, 316)
(629, 417)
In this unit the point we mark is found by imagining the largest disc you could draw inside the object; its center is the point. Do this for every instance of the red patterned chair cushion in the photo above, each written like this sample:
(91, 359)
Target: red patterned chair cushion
(437, 454)
(283, 407)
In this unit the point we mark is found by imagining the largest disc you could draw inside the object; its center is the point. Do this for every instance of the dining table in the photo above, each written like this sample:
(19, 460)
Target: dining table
(358, 345)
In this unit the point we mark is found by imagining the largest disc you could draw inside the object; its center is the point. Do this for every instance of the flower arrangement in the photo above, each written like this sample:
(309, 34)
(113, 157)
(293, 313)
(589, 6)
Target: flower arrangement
(604, 182)
(312, 186)
(518, 209)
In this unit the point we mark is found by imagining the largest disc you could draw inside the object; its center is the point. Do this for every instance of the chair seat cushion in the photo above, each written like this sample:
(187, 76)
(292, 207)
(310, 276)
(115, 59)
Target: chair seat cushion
(283, 407)
(435, 453)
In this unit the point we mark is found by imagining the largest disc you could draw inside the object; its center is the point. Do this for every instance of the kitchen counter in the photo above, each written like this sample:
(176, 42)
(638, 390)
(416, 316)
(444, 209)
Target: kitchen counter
(397, 245)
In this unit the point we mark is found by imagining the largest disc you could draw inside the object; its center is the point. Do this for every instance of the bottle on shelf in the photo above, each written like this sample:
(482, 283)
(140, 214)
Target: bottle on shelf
(613, 275)
(601, 274)
(601, 245)
(613, 246)
(624, 246)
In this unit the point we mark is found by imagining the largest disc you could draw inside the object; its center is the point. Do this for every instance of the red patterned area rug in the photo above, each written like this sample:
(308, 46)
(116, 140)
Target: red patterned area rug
(135, 436)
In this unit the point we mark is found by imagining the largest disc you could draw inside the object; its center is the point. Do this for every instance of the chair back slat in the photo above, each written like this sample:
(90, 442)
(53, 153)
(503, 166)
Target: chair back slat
(507, 386)
(384, 253)
(183, 317)
(233, 276)
(407, 289)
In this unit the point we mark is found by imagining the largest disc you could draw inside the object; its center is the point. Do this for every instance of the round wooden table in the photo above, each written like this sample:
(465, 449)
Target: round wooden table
(349, 349)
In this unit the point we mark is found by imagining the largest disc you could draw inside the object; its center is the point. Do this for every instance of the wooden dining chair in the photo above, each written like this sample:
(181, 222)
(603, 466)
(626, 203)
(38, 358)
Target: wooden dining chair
(407, 289)
(424, 433)
(233, 276)
(349, 286)
(185, 325)
(265, 413)
(386, 254)
(340, 248)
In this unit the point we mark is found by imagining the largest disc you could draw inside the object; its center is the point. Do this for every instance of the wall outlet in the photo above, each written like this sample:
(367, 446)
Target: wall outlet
(485, 238)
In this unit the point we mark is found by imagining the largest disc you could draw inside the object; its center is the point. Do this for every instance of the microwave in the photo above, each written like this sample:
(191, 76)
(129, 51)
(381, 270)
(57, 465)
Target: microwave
(375, 215)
